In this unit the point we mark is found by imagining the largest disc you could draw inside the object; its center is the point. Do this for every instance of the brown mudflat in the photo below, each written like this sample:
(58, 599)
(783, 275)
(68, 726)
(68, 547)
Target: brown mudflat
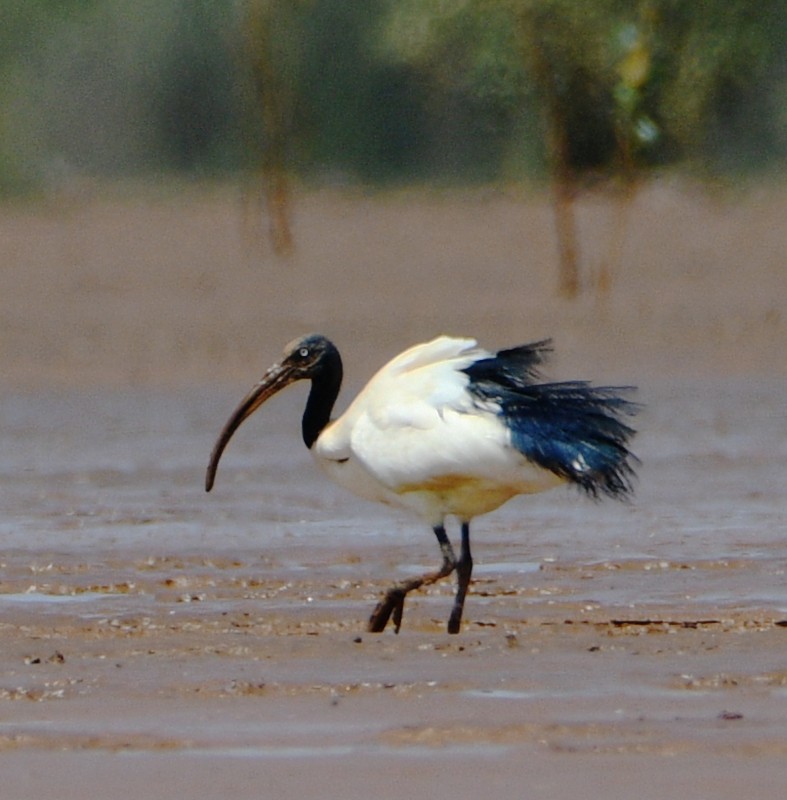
(156, 641)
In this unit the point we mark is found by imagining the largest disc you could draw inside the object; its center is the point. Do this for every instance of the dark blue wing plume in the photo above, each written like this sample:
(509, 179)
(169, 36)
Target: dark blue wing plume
(513, 368)
(572, 428)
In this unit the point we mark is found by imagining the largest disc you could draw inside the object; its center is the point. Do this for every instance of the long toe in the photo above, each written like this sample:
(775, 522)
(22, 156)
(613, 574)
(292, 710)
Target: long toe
(392, 603)
(379, 618)
(398, 611)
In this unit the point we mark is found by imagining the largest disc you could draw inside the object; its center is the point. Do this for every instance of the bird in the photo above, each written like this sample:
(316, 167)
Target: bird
(447, 429)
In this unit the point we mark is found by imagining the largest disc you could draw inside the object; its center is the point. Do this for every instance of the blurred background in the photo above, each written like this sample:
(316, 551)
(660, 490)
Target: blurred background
(417, 90)
(558, 122)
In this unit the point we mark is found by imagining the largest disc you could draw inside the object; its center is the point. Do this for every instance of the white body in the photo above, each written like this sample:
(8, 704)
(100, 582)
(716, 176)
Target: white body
(415, 437)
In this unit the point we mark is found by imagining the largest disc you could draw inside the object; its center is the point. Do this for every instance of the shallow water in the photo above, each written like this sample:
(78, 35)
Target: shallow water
(138, 611)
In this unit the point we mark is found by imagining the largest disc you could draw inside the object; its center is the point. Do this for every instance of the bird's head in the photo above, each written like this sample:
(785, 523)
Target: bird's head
(311, 357)
(306, 357)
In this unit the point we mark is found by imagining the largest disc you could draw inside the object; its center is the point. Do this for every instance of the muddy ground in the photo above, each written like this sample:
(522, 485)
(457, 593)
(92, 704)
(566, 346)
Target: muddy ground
(156, 641)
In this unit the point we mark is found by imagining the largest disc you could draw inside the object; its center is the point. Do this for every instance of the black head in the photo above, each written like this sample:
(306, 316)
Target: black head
(312, 357)
(309, 356)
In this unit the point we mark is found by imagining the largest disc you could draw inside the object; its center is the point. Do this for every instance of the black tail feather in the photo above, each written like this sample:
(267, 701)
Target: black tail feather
(572, 428)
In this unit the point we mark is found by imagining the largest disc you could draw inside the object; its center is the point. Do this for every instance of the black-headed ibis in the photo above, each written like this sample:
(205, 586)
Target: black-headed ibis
(448, 429)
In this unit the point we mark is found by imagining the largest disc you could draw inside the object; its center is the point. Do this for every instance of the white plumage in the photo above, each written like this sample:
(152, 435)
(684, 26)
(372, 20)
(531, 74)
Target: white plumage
(416, 437)
(448, 429)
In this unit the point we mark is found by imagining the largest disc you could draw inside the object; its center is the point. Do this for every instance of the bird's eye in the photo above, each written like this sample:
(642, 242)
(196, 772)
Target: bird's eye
(303, 352)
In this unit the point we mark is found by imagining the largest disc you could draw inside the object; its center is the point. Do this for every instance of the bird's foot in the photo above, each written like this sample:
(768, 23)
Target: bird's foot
(455, 620)
(392, 604)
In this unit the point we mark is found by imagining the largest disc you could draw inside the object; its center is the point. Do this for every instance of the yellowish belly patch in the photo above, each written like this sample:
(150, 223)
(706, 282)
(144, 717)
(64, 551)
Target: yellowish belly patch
(467, 496)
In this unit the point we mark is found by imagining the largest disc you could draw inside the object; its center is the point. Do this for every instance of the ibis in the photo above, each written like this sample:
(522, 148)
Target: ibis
(447, 429)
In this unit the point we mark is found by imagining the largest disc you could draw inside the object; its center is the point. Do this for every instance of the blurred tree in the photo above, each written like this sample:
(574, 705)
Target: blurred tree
(620, 86)
(105, 87)
(380, 91)
(20, 24)
(271, 59)
(192, 97)
(318, 101)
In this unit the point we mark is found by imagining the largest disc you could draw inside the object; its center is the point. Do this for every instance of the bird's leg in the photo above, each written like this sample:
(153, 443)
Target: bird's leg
(393, 600)
(464, 569)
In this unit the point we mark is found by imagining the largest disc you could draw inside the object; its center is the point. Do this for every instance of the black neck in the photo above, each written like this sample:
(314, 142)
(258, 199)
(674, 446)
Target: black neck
(326, 382)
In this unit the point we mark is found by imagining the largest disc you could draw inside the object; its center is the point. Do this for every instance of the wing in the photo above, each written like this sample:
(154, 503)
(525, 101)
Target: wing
(405, 408)
(573, 429)
(417, 420)
(411, 390)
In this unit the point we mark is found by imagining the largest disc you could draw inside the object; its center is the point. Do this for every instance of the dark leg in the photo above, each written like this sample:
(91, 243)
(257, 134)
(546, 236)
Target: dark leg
(393, 600)
(464, 569)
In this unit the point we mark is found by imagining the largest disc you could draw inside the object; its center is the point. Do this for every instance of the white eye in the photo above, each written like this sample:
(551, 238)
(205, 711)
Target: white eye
(303, 352)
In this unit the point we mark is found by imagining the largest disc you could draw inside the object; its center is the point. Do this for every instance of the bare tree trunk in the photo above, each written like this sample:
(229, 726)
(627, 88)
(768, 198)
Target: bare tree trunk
(563, 196)
(558, 153)
(277, 193)
(624, 202)
(273, 98)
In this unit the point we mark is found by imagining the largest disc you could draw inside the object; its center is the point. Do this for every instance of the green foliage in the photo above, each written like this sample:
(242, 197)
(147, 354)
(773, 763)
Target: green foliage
(383, 90)
(648, 80)
(114, 88)
(712, 57)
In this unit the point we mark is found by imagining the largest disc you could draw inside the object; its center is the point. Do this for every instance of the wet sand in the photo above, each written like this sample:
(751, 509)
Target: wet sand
(156, 640)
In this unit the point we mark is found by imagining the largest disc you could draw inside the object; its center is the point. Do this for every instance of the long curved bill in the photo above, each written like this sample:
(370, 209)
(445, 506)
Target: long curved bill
(274, 380)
